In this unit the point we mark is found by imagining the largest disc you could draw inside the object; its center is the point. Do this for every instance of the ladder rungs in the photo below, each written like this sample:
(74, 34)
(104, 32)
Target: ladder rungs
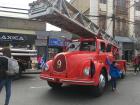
(62, 14)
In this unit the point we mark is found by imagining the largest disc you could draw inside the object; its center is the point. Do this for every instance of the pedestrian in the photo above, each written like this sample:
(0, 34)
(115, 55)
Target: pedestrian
(5, 80)
(139, 62)
(39, 57)
(136, 63)
(114, 72)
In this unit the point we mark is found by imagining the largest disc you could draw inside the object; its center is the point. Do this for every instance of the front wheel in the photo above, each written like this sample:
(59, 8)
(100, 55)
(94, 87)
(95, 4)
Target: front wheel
(98, 90)
(123, 74)
(54, 85)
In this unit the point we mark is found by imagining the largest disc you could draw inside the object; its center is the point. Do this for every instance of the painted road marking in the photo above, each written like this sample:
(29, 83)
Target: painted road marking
(38, 87)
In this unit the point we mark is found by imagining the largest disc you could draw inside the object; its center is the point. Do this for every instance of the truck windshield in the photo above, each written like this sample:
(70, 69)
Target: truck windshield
(74, 46)
(88, 46)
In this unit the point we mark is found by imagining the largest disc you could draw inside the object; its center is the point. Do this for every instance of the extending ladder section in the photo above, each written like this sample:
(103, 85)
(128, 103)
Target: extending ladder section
(62, 14)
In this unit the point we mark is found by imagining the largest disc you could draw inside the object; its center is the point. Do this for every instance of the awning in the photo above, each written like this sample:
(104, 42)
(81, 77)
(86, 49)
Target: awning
(124, 39)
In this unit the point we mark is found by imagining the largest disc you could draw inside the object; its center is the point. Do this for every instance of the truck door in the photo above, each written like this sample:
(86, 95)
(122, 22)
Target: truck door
(102, 52)
(109, 51)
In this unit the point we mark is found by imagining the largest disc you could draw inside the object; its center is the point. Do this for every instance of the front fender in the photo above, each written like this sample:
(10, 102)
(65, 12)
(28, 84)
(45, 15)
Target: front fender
(49, 63)
(82, 66)
(98, 70)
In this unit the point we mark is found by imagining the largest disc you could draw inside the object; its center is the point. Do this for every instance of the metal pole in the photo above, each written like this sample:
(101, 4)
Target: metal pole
(47, 48)
(113, 18)
(45, 58)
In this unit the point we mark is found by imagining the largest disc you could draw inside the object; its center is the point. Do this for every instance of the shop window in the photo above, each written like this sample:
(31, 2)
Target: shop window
(103, 1)
(138, 7)
(121, 5)
(102, 22)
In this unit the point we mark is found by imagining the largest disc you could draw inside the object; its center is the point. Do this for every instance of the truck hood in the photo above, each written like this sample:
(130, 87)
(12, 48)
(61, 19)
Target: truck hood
(73, 62)
(79, 55)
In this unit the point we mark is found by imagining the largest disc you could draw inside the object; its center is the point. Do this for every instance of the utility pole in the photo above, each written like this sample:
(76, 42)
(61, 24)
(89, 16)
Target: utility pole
(113, 17)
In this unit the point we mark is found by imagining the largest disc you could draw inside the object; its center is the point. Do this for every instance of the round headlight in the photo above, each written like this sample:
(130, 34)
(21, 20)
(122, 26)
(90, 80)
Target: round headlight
(45, 67)
(86, 71)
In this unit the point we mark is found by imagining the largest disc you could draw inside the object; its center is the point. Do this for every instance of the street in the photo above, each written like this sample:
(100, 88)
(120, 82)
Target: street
(30, 90)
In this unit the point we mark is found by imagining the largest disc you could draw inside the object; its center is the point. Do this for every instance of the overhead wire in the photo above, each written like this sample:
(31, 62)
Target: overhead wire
(13, 10)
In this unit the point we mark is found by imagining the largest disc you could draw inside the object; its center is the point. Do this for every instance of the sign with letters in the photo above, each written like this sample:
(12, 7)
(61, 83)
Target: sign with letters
(8, 37)
(12, 37)
(56, 42)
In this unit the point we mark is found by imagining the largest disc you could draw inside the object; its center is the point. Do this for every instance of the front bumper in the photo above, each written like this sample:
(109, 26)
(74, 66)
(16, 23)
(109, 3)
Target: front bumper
(74, 81)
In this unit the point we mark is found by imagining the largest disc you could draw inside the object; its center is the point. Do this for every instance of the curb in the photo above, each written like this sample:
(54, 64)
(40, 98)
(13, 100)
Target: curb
(32, 71)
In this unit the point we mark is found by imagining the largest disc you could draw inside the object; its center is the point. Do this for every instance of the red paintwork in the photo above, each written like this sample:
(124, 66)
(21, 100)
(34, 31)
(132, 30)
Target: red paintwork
(77, 61)
(121, 64)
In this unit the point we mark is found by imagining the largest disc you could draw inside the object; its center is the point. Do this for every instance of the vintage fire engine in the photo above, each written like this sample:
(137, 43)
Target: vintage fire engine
(85, 61)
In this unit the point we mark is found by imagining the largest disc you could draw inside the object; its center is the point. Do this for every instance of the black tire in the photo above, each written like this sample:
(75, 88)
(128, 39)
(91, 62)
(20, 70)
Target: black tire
(98, 90)
(54, 85)
(123, 75)
(19, 74)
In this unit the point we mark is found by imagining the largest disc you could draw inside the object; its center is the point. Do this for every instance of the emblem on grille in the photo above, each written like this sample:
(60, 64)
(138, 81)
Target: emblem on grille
(59, 64)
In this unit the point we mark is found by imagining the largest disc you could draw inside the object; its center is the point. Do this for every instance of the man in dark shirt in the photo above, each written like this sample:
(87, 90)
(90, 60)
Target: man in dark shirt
(5, 80)
(3, 67)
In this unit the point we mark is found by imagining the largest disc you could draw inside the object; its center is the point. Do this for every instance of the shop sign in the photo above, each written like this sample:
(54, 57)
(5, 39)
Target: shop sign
(10, 38)
(55, 42)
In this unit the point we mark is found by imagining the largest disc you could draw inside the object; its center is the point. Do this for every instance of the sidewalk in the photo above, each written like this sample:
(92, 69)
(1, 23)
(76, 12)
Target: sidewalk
(32, 71)
(130, 68)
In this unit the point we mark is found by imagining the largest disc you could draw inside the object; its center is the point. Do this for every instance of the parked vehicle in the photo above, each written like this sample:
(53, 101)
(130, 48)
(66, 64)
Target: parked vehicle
(24, 58)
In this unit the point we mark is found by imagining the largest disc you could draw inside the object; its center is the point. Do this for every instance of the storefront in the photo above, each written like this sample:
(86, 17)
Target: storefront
(126, 48)
(57, 42)
(55, 45)
(16, 40)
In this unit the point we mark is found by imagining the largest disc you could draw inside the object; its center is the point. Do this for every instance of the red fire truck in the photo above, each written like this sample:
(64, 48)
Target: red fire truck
(85, 61)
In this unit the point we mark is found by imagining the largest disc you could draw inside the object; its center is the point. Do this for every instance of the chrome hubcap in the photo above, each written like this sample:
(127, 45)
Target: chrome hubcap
(102, 81)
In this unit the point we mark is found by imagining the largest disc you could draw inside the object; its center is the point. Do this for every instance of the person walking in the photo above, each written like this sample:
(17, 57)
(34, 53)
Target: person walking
(39, 61)
(114, 73)
(5, 80)
(136, 63)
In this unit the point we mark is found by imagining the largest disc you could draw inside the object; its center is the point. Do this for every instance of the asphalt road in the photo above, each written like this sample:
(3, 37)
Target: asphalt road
(30, 90)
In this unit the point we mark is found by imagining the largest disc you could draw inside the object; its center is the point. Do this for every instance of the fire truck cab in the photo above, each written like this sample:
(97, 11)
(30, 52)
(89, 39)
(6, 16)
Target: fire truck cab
(83, 64)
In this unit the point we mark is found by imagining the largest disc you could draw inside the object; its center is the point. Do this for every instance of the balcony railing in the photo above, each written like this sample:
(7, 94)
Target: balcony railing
(121, 10)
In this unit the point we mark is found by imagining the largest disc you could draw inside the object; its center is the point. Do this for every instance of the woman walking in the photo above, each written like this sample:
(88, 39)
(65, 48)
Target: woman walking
(5, 80)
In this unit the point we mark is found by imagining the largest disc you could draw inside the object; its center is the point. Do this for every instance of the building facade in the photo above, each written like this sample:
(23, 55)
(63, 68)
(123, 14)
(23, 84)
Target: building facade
(137, 24)
(101, 13)
(52, 42)
(18, 32)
